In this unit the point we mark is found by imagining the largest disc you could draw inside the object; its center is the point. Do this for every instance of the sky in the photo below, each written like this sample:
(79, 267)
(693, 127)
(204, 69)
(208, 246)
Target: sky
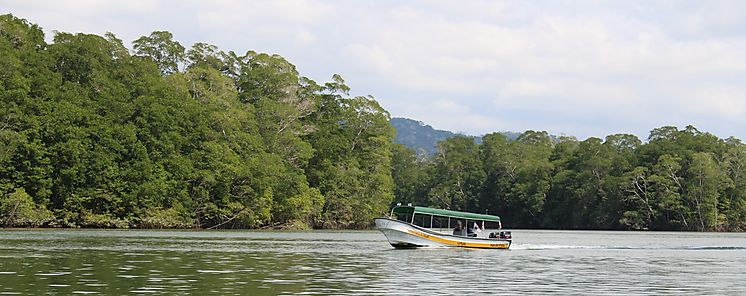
(577, 68)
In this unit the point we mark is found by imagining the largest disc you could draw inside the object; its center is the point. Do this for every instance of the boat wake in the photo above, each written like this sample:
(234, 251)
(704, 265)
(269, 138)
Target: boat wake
(551, 247)
(570, 247)
(716, 248)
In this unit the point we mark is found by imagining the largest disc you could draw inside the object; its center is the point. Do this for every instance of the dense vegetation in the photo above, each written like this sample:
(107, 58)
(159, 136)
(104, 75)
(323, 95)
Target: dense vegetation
(678, 180)
(95, 135)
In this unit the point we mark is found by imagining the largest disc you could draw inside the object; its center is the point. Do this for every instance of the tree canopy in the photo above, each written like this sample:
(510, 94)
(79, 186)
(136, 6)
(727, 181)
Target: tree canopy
(676, 180)
(93, 134)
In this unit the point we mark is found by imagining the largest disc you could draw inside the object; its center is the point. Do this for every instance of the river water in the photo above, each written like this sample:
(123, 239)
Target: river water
(64, 262)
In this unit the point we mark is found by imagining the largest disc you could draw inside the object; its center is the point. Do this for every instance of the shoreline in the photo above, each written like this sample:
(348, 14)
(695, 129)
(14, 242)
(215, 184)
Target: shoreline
(332, 229)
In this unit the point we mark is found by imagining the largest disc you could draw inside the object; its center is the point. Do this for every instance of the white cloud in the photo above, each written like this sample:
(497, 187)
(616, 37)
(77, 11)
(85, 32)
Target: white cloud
(579, 68)
(235, 14)
(450, 114)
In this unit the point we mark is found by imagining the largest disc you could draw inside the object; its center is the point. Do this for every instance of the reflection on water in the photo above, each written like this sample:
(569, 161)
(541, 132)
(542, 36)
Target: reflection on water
(34, 262)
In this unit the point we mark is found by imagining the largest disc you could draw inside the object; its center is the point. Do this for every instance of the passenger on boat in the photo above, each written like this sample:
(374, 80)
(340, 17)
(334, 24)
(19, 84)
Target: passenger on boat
(473, 231)
(470, 232)
(459, 230)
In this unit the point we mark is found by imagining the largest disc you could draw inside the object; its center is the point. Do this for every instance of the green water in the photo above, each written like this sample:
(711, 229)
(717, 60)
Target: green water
(64, 262)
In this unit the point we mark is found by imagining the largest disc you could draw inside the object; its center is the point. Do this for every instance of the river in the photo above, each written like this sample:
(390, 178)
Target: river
(116, 262)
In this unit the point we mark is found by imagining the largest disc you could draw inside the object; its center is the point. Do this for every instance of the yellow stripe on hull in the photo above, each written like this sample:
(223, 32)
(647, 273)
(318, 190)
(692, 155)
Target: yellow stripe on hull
(458, 243)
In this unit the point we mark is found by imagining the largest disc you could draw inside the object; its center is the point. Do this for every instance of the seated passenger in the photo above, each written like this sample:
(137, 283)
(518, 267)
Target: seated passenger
(459, 230)
(470, 232)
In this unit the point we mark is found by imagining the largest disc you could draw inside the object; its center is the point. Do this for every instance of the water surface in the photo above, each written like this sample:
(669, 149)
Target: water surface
(116, 262)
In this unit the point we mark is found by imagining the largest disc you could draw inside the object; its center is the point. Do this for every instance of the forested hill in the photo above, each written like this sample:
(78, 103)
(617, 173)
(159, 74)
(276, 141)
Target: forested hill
(418, 136)
(95, 134)
(424, 138)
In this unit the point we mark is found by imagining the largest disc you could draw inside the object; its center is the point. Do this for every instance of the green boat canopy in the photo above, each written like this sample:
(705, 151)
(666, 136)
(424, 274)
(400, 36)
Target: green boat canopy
(444, 213)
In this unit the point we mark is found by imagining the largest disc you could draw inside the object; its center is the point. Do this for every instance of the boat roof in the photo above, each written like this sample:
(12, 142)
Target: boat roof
(444, 213)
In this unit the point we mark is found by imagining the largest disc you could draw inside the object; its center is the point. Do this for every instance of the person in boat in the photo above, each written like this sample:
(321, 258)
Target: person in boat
(471, 231)
(476, 229)
(459, 230)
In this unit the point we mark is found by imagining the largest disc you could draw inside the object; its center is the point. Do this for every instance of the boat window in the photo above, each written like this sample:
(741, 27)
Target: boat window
(440, 222)
(422, 220)
(404, 217)
(490, 225)
(454, 222)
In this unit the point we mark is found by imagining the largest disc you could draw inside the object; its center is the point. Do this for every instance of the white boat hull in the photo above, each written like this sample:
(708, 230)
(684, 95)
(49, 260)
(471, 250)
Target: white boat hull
(405, 235)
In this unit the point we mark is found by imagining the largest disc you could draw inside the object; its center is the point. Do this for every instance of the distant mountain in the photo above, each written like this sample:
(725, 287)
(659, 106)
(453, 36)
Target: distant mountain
(424, 138)
(418, 135)
(513, 135)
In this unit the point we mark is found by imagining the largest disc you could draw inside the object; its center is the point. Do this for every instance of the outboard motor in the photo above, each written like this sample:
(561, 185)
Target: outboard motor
(501, 235)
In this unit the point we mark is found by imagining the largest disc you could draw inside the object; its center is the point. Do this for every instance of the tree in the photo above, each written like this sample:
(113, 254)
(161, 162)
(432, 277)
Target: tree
(559, 209)
(352, 160)
(733, 201)
(409, 175)
(458, 174)
(703, 190)
(668, 184)
(206, 56)
(639, 194)
(92, 136)
(160, 46)
(19, 210)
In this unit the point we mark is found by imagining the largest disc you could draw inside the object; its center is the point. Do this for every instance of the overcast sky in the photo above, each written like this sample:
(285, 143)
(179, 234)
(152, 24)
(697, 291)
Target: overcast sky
(581, 68)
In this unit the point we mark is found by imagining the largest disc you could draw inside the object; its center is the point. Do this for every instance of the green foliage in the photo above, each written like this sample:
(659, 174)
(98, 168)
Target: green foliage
(703, 191)
(408, 172)
(103, 138)
(93, 136)
(161, 47)
(733, 202)
(165, 218)
(458, 174)
(17, 209)
(91, 220)
(351, 165)
(678, 180)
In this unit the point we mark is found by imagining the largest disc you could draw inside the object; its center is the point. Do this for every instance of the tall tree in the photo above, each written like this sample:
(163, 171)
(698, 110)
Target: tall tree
(458, 174)
(733, 201)
(163, 49)
(409, 175)
(705, 179)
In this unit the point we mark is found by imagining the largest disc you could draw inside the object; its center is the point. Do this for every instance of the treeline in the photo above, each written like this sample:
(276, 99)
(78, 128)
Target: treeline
(677, 180)
(95, 135)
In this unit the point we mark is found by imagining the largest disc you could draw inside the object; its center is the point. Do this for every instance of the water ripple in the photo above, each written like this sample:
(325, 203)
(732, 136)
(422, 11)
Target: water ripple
(322, 263)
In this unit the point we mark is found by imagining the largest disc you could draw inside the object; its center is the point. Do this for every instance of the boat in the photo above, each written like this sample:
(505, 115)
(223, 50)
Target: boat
(413, 227)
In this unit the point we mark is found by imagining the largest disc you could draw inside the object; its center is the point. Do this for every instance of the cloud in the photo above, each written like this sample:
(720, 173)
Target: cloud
(606, 69)
(579, 68)
(234, 14)
(450, 114)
